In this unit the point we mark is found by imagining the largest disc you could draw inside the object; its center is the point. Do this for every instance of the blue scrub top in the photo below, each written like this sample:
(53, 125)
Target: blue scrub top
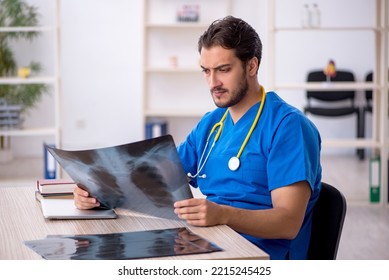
(283, 149)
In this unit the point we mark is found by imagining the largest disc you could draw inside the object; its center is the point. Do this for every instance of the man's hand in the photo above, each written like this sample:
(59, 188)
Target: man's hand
(282, 221)
(82, 200)
(199, 212)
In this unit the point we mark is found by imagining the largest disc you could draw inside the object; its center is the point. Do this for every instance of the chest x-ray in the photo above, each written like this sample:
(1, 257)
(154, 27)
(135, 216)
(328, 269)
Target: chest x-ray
(123, 245)
(145, 176)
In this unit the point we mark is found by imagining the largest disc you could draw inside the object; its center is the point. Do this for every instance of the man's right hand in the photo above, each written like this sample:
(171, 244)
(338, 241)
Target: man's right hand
(82, 200)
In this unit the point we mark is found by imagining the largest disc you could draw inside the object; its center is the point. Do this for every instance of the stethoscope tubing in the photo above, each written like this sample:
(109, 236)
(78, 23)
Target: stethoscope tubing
(234, 162)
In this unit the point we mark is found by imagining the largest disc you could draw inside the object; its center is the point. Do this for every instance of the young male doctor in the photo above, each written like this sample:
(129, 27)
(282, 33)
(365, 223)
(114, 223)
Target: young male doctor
(255, 157)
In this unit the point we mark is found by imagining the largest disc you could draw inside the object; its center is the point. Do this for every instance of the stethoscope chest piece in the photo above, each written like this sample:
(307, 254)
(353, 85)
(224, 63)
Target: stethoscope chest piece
(233, 163)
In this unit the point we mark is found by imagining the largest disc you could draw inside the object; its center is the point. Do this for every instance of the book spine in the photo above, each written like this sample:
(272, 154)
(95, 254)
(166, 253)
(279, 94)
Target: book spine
(155, 129)
(375, 179)
(49, 164)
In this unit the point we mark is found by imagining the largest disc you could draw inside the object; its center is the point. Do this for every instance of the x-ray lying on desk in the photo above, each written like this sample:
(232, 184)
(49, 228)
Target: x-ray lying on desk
(145, 176)
(126, 245)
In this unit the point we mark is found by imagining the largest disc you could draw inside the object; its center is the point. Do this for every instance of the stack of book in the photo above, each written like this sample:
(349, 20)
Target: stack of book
(54, 188)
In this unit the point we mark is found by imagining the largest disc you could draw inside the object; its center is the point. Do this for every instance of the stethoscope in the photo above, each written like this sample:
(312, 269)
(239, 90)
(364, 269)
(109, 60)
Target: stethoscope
(234, 162)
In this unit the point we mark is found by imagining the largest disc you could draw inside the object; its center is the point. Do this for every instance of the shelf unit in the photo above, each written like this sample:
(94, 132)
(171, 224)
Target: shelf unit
(379, 140)
(52, 79)
(174, 87)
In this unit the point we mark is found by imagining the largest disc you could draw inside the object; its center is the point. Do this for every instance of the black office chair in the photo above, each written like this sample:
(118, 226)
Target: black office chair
(334, 97)
(327, 224)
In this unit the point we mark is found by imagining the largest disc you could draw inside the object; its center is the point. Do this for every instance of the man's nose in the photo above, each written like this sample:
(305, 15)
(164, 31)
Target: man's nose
(213, 81)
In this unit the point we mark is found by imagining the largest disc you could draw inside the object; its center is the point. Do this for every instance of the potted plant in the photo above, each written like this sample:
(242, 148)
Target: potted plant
(16, 99)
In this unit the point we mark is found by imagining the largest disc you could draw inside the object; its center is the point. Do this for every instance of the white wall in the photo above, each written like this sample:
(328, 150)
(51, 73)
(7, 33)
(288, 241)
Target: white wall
(102, 52)
(101, 63)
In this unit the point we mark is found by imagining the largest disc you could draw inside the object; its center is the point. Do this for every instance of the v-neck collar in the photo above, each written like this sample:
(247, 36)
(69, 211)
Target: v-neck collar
(250, 114)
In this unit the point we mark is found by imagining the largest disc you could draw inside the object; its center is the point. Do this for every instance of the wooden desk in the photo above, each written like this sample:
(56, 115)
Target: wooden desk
(21, 219)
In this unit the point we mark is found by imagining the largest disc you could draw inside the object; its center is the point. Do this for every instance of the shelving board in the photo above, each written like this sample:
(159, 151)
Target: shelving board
(29, 131)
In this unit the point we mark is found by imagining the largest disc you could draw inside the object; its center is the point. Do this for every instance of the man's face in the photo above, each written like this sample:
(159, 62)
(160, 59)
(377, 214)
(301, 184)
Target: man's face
(225, 74)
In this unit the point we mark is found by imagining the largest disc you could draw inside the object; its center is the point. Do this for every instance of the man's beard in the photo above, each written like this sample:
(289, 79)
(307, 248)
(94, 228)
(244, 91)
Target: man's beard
(236, 96)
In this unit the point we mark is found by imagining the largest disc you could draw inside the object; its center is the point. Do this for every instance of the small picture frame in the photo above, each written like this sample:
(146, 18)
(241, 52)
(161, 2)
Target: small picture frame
(188, 13)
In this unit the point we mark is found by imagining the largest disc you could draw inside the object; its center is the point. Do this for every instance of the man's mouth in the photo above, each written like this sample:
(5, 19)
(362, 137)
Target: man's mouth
(218, 92)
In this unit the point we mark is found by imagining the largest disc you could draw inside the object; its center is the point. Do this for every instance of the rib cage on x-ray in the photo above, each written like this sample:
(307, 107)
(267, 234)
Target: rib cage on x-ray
(145, 176)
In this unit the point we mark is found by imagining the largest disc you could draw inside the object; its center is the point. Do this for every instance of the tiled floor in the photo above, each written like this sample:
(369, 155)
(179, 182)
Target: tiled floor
(366, 228)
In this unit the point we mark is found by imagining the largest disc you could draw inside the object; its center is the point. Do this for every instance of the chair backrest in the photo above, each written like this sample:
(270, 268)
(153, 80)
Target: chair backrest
(341, 76)
(369, 92)
(327, 224)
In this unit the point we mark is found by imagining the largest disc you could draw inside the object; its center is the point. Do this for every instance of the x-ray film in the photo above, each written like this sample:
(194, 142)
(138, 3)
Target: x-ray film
(119, 246)
(145, 176)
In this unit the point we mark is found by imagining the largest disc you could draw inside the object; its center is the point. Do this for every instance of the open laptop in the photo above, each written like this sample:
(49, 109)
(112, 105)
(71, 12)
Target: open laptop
(62, 209)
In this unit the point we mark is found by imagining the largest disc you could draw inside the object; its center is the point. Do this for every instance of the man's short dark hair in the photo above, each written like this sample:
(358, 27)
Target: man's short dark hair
(233, 33)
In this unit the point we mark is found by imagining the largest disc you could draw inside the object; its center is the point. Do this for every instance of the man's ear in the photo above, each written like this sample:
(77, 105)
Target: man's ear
(253, 66)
